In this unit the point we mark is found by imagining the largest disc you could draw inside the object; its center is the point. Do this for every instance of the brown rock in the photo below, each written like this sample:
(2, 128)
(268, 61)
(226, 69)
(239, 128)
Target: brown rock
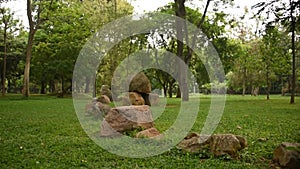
(96, 109)
(128, 118)
(103, 99)
(108, 131)
(105, 90)
(133, 98)
(194, 143)
(148, 133)
(222, 144)
(140, 83)
(89, 109)
(287, 155)
(242, 140)
(103, 108)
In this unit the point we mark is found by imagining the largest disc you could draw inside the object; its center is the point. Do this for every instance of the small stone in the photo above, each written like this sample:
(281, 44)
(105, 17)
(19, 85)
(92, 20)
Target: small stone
(103, 99)
(148, 133)
(262, 139)
(105, 90)
(287, 155)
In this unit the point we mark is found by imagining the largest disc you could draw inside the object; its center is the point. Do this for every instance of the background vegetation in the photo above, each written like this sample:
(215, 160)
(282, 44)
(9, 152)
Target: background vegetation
(266, 58)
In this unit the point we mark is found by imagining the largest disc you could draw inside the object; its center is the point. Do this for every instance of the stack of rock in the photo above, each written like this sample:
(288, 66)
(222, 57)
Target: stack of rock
(135, 112)
(105, 91)
(98, 108)
(139, 90)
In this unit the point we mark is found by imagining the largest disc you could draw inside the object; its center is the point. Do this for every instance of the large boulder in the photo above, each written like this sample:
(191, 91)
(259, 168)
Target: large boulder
(105, 90)
(133, 98)
(126, 118)
(222, 144)
(140, 83)
(219, 144)
(287, 155)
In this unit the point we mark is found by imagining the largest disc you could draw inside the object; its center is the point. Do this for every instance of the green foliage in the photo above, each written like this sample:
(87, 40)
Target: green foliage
(15, 42)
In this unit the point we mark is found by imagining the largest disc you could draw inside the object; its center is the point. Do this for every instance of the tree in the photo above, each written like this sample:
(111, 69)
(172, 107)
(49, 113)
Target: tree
(10, 26)
(285, 13)
(274, 53)
(181, 30)
(39, 8)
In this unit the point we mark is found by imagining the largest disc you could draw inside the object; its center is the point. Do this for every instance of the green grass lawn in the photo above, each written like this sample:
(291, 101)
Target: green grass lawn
(44, 132)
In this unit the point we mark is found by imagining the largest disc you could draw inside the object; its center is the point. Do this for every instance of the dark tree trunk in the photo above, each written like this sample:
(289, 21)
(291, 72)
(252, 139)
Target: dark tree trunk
(26, 92)
(244, 81)
(43, 86)
(178, 93)
(182, 73)
(293, 25)
(165, 90)
(5, 57)
(268, 84)
(170, 91)
(87, 83)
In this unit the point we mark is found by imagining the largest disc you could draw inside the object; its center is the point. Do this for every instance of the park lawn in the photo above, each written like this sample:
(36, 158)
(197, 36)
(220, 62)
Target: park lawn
(44, 132)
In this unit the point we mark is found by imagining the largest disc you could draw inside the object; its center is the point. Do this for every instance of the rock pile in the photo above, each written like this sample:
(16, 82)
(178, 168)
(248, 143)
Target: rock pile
(139, 86)
(105, 90)
(97, 108)
(135, 112)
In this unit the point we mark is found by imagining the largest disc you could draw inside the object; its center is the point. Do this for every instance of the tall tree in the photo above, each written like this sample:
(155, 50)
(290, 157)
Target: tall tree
(9, 27)
(35, 10)
(181, 30)
(285, 13)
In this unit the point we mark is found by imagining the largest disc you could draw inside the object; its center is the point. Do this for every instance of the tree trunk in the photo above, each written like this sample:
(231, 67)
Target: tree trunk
(244, 81)
(32, 31)
(178, 93)
(87, 85)
(43, 86)
(165, 90)
(4, 61)
(170, 91)
(26, 92)
(181, 72)
(268, 85)
(62, 90)
(293, 25)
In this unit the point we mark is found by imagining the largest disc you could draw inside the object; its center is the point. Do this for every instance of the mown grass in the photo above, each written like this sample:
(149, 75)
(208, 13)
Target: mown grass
(44, 132)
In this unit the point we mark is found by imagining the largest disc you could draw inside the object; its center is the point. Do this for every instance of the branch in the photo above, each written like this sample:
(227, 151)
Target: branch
(199, 25)
(29, 14)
